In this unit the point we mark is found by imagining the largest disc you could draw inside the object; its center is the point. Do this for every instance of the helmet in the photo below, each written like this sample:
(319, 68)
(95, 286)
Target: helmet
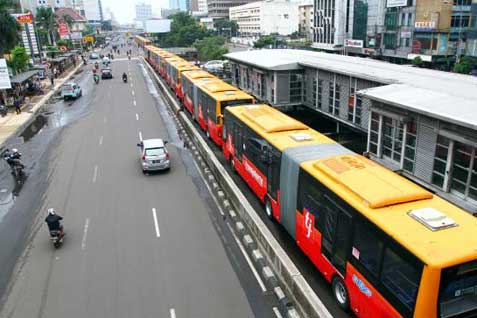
(51, 211)
(14, 150)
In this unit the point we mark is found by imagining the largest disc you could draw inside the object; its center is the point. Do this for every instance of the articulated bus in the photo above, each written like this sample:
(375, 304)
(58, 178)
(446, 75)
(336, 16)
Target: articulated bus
(212, 99)
(152, 56)
(176, 69)
(142, 41)
(388, 247)
(190, 81)
(167, 67)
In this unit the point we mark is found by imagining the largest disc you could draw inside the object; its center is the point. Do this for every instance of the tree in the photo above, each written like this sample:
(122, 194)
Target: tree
(64, 42)
(211, 48)
(417, 61)
(46, 21)
(69, 20)
(19, 59)
(184, 31)
(88, 30)
(9, 28)
(269, 40)
(463, 67)
(226, 28)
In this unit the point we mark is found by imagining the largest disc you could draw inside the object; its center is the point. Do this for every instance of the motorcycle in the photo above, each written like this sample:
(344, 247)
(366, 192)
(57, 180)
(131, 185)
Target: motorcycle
(56, 238)
(125, 79)
(13, 160)
(96, 78)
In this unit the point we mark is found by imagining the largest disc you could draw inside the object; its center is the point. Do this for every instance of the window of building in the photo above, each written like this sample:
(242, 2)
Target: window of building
(314, 92)
(351, 104)
(410, 147)
(331, 93)
(403, 18)
(392, 138)
(374, 133)
(336, 108)
(409, 19)
(460, 21)
(296, 83)
(464, 171)
(320, 93)
(440, 161)
(359, 106)
(389, 40)
(462, 2)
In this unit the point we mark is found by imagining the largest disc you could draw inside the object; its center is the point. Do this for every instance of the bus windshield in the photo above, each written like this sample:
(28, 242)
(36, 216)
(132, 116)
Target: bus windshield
(458, 291)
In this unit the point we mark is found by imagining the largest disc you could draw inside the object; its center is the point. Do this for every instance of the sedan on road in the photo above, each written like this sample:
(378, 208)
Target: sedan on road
(154, 155)
(106, 73)
(94, 56)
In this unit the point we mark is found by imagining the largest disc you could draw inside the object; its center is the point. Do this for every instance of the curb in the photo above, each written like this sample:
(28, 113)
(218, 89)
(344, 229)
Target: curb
(34, 110)
(269, 258)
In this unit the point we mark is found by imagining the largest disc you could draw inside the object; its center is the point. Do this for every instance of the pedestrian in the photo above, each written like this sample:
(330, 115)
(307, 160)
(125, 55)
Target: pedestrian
(55, 72)
(18, 109)
(52, 79)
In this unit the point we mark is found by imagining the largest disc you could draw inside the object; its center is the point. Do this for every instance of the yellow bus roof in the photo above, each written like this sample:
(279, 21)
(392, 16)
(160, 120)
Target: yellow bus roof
(183, 65)
(221, 91)
(142, 39)
(198, 74)
(392, 203)
(277, 128)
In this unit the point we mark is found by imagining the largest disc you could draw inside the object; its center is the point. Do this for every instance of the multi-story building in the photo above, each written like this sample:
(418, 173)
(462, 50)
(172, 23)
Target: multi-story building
(143, 11)
(202, 6)
(421, 123)
(166, 13)
(266, 17)
(472, 33)
(93, 10)
(305, 16)
(180, 5)
(219, 9)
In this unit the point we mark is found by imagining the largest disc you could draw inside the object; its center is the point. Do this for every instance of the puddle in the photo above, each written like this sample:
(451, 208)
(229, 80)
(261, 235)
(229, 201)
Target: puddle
(33, 129)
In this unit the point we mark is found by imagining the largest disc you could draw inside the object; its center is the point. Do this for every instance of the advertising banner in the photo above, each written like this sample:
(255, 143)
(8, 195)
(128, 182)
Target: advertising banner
(63, 30)
(23, 17)
(396, 3)
(4, 77)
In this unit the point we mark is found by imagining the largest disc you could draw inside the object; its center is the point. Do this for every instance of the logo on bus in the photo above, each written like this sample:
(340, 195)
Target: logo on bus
(253, 173)
(362, 286)
(308, 223)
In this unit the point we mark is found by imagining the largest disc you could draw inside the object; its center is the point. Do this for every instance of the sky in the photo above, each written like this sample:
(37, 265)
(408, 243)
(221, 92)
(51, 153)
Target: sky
(124, 11)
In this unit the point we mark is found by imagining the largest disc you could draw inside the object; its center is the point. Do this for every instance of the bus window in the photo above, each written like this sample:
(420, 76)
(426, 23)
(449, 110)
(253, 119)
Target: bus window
(458, 291)
(367, 250)
(401, 276)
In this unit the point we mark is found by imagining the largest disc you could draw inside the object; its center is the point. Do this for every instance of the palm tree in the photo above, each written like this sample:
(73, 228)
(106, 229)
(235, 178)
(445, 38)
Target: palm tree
(69, 20)
(45, 19)
(9, 27)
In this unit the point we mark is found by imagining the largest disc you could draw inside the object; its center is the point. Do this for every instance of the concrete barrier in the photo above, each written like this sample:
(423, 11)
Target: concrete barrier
(296, 287)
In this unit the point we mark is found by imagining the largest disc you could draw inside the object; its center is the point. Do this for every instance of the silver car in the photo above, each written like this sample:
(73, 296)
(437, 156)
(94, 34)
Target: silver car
(154, 155)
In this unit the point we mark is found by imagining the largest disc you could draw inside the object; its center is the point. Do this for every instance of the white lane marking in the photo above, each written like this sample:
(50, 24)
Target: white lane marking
(131, 84)
(172, 312)
(105, 120)
(140, 136)
(135, 104)
(95, 174)
(249, 262)
(137, 117)
(100, 140)
(85, 234)
(156, 224)
(133, 93)
(277, 312)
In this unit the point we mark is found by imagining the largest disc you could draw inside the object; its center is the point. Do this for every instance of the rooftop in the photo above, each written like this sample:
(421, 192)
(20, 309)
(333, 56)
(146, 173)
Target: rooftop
(443, 95)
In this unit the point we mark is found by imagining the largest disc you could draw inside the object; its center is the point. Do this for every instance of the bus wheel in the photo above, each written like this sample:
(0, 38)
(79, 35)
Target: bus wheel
(268, 208)
(340, 293)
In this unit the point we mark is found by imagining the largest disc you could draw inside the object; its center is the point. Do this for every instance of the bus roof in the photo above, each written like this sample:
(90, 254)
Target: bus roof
(184, 66)
(197, 75)
(142, 39)
(221, 91)
(277, 128)
(437, 232)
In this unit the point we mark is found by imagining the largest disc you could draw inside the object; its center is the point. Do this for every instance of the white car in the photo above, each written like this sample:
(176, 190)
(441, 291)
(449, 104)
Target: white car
(106, 61)
(214, 66)
(154, 155)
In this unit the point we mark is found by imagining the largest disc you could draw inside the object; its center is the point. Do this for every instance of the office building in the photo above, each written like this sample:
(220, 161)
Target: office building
(219, 9)
(305, 16)
(266, 17)
(143, 11)
(93, 10)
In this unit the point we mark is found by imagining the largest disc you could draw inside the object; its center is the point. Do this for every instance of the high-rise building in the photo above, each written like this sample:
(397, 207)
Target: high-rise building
(143, 11)
(181, 5)
(305, 16)
(219, 9)
(93, 10)
(202, 6)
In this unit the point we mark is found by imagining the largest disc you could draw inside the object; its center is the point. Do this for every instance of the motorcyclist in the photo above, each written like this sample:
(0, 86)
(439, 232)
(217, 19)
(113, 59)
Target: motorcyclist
(95, 77)
(13, 158)
(125, 76)
(53, 221)
(96, 65)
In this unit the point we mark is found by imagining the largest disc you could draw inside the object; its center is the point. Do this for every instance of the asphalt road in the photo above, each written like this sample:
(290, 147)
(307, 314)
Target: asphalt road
(136, 245)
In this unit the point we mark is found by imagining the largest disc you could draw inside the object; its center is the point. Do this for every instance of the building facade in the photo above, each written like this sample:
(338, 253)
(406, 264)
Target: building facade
(202, 6)
(266, 17)
(219, 9)
(305, 16)
(421, 123)
(93, 10)
(143, 11)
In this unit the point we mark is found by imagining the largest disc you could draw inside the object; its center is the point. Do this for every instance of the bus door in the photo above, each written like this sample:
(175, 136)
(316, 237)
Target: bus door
(336, 235)
(273, 178)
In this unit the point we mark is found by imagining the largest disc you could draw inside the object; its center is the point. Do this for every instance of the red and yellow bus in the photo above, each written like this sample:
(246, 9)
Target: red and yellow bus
(190, 81)
(176, 70)
(212, 99)
(167, 67)
(153, 55)
(142, 41)
(388, 247)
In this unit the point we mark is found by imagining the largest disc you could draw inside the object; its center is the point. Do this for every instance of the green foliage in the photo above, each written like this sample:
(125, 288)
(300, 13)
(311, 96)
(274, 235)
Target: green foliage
(88, 30)
(269, 40)
(69, 20)
(45, 20)
(226, 28)
(417, 61)
(211, 48)
(9, 27)
(465, 65)
(184, 31)
(65, 42)
(106, 26)
(19, 59)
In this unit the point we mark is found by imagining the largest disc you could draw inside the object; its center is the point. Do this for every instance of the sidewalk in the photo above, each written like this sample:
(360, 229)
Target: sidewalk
(12, 122)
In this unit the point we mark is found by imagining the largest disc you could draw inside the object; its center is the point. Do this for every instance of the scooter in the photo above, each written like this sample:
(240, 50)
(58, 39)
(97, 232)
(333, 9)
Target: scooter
(56, 238)
(96, 78)
(125, 79)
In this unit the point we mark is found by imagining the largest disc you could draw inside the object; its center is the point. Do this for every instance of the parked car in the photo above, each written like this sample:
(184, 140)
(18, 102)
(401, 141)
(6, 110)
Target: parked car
(106, 73)
(94, 56)
(214, 66)
(70, 90)
(154, 155)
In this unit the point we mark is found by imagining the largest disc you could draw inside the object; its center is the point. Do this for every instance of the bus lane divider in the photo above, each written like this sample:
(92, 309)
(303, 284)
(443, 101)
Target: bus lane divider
(294, 295)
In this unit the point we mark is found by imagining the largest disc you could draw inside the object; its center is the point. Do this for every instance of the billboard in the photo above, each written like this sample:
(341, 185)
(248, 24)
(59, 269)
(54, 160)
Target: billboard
(63, 30)
(354, 43)
(4, 77)
(23, 17)
(157, 25)
(396, 3)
